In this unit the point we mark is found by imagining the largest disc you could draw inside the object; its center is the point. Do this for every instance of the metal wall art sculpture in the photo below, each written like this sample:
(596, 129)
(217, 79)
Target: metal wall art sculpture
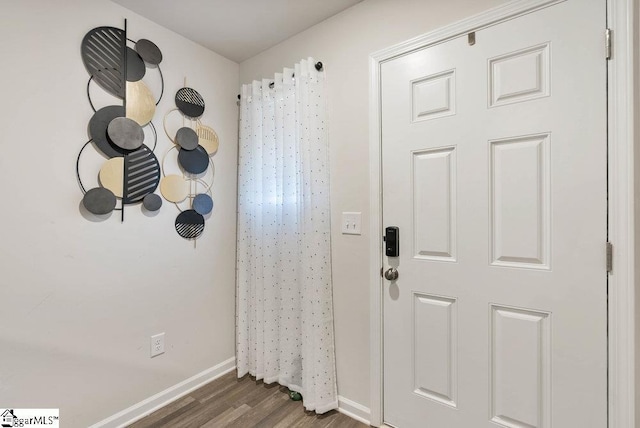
(131, 172)
(195, 143)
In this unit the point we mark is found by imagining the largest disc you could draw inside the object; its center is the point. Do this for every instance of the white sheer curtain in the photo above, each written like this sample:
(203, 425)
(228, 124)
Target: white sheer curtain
(284, 317)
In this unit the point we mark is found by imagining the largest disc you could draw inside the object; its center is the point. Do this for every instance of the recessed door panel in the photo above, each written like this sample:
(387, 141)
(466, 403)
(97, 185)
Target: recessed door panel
(519, 76)
(434, 96)
(520, 367)
(434, 198)
(435, 347)
(520, 202)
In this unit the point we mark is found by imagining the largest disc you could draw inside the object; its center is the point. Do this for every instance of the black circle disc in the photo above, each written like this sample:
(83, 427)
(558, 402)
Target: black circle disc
(135, 66)
(125, 133)
(102, 55)
(99, 201)
(189, 224)
(149, 52)
(187, 138)
(98, 126)
(194, 161)
(141, 174)
(190, 102)
(152, 202)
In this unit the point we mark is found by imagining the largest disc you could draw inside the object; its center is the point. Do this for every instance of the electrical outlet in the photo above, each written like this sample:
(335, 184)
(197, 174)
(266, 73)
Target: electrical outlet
(157, 344)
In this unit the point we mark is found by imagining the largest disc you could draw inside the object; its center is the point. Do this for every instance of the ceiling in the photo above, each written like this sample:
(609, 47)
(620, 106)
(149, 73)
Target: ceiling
(237, 29)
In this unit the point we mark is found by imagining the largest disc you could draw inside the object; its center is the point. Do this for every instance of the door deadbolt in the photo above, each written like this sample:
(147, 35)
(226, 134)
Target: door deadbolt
(392, 241)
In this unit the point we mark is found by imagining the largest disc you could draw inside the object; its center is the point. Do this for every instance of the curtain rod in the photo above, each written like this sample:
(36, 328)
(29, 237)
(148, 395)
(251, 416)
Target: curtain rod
(319, 66)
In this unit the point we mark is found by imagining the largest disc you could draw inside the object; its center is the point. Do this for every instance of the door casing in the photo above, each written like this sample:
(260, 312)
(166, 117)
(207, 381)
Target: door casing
(621, 211)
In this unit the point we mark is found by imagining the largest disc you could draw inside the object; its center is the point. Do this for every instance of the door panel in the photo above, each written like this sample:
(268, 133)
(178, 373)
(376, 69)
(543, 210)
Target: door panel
(520, 202)
(520, 367)
(519, 76)
(434, 197)
(494, 170)
(434, 359)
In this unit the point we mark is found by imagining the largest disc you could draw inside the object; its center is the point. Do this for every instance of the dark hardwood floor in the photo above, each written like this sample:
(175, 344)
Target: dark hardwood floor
(232, 402)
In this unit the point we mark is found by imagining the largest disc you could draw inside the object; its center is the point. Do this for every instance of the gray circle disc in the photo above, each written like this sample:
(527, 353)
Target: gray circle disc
(135, 66)
(194, 161)
(99, 201)
(187, 138)
(98, 130)
(152, 202)
(125, 133)
(149, 52)
(202, 204)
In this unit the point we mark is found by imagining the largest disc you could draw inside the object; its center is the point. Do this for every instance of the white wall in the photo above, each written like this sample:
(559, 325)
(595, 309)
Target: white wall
(344, 43)
(80, 299)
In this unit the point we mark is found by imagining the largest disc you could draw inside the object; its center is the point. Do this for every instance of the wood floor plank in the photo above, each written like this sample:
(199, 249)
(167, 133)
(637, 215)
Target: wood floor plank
(292, 419)
(201, 416)
(317, 421)
(221, 391)
(271, 419)
(251, 392)
(346, 423)
(219, 385)
(227, 418)
(264, 407)
(236, 395)
(252, 399)
(169, 409)
(168, 419)
(244, 403)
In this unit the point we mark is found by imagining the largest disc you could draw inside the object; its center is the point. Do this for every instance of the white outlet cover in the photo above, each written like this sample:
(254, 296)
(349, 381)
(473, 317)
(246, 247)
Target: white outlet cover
(157, 344)
(351, 223)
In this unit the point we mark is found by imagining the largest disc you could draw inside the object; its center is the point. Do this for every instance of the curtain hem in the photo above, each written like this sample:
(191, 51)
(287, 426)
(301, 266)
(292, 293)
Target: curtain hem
(312, 407)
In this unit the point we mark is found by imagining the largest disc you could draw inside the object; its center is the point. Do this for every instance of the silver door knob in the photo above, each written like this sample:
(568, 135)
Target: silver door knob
(391, 274)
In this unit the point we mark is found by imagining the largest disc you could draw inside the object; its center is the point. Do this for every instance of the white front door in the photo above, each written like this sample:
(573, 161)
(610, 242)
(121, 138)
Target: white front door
(494, 170)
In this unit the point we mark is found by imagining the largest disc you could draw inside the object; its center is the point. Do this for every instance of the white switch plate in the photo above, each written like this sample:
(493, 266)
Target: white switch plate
(157, 344)
(351, 223)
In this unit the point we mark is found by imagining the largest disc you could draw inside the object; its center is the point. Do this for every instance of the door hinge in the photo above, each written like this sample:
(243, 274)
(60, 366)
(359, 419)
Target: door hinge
(607, 43)
(609, 257)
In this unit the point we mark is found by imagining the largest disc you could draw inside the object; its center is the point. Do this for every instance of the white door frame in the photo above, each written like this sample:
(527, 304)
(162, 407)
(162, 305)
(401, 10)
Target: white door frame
(621, 304)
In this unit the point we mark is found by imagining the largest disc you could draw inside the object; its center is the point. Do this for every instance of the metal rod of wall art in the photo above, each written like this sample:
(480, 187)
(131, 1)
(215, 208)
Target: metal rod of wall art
(124, 104)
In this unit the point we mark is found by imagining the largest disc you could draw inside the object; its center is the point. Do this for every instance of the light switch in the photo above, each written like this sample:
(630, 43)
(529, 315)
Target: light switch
(351, 223)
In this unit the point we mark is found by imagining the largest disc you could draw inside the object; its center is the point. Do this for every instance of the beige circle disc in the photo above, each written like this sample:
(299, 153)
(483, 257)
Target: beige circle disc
(112, 175)
(141, 106)
(174, 188)
(207, 138)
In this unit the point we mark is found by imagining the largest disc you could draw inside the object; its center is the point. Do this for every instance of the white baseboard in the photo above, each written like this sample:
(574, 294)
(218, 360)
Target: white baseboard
(354, 410)
(161, 399)
(145, 407)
